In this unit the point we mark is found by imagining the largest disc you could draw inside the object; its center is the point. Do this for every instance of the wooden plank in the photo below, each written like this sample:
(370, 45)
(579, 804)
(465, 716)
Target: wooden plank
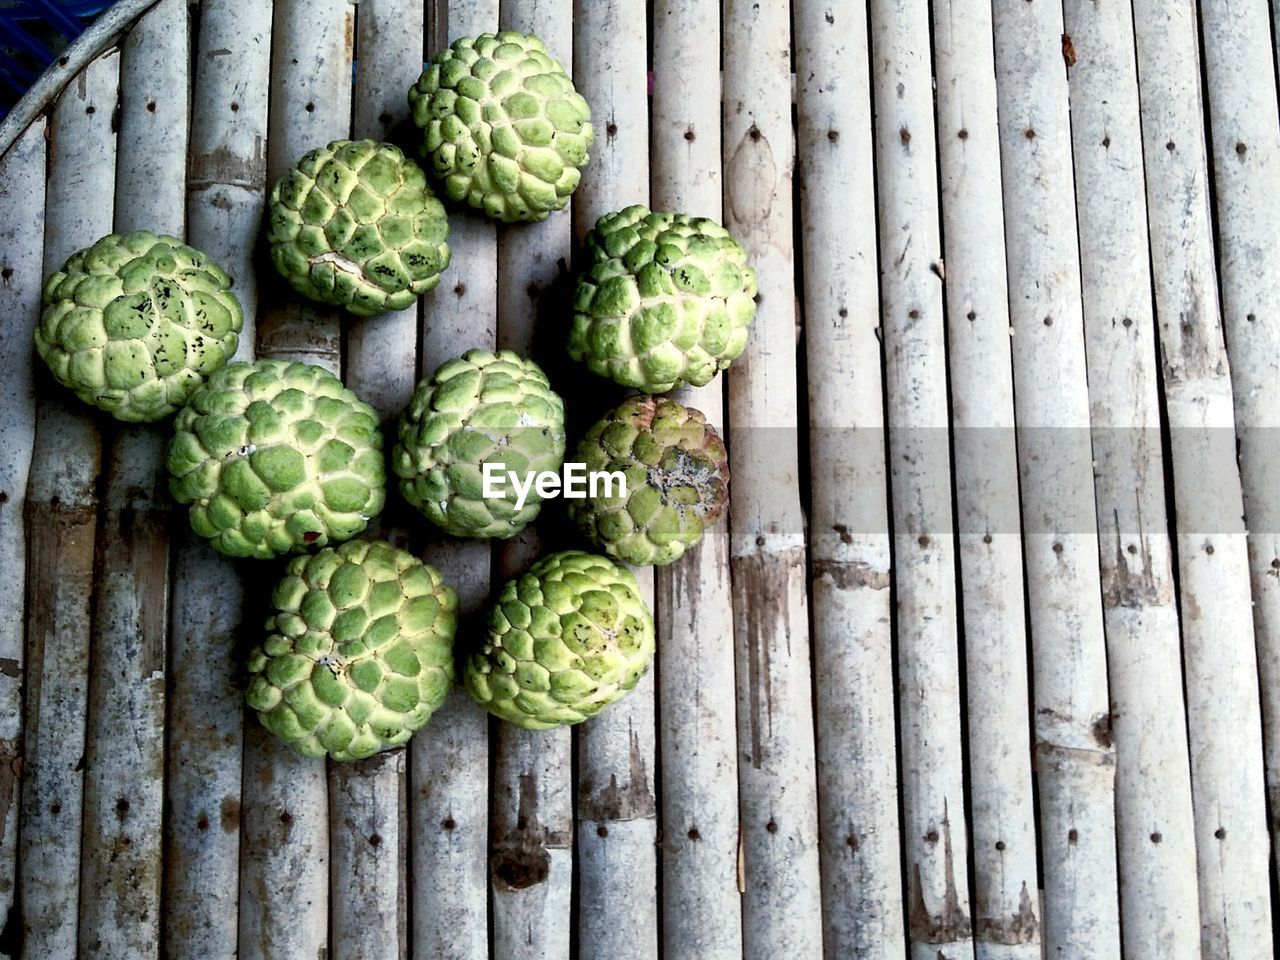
(63, 514)
(206, 717)
(285, 844)
(933, 827)
(1155, 835)
(701, 905)
(449, 797)
(531, 857)
(121, 875)
(617, 906)
(22, 197)
(1220, 660)
(1075, 761)
(777, 777)
(1006, 917)
(849, 519)
(1246, 160)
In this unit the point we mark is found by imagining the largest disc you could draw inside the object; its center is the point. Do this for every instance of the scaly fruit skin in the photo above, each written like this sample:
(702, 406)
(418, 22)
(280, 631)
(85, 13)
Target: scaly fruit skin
(134, 323)
(677, 475)
(482, 408)
(503, 126)
(565, 640)
(355, 225)
(665, 300)
(360, 652)
(276, 458)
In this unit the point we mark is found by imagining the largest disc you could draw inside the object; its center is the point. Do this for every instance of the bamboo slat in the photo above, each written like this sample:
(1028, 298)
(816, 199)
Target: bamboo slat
(1075, 761)
(701, 906)
(121, 875)
(206, 717)
(531, 839)
(22, 191)
(1154, 824)
(63, 512)
(617, 751)
(776, 773)
(933, 828)
(1246, 160)
(1223, 710)
(1006, 915)
(285, 843)
(853, 641)
(448, 767)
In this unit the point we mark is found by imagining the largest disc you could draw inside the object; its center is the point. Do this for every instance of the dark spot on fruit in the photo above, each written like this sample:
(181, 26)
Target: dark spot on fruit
(311, 536)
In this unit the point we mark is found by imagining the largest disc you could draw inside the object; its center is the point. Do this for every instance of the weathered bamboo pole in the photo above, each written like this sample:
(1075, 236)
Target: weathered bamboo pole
(853, 637)
(617, 814)
(782, 911)
(206, 716)
(1006, 914)
(121, 874)
(531, 861)
(1075, 761)
(933, 829)
(1224, 716)
(63, 519)
(448, 768)
(1246, 163)
(1155, 830)
(22, 195)
(701, 905)
(284, 864)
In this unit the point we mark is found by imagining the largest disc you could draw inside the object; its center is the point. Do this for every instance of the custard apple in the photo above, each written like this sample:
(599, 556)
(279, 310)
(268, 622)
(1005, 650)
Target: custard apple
(134, 323)
(276, 457)
(565, 640)
(360, 652)
(502, 125)
(355, 225)
(665, 300)
(494, 408)
(676, 473)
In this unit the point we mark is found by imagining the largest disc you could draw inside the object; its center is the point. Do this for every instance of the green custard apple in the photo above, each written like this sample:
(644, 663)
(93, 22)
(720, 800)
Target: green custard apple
(565, 640)
(359, 653)
(276, 458)
(134, 323)
(665, 300)
(483, 408)
(355, 225)
(503, 127)
(676, 471)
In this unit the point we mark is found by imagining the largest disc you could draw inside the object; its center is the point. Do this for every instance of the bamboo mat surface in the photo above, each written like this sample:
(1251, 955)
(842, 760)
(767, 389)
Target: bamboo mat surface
(983, 665)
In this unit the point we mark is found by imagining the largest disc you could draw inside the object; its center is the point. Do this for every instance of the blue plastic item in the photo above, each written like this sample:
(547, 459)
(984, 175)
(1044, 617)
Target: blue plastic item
(32, 34)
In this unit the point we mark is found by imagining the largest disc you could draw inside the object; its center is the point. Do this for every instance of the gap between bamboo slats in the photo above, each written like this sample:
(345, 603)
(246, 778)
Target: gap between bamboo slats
(22, 196)
(1246, 166)
(1213, 567)
(209, 618)
(367, 804)
(1075, 759)
(63, 513)
(1006, 911)
(122, 842)
(698, 833)
(449, 762)
(531, 858)
(934, 831)
(617, 911)
(782, 911)
(849, 518)
(1155, 836)
(285, 855)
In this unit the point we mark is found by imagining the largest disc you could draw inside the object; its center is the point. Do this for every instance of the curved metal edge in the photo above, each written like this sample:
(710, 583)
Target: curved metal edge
(97, 38)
